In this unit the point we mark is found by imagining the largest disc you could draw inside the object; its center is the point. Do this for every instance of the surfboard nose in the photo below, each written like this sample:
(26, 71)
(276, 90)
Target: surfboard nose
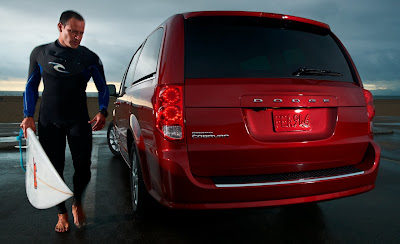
(44, 186)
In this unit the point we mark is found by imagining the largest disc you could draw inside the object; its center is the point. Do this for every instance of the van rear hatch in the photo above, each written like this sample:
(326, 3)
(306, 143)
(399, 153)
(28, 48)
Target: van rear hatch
(269, 96)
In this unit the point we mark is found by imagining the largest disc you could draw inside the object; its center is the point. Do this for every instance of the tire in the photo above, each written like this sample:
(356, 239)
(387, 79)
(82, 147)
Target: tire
(112, 140)
(141, 199)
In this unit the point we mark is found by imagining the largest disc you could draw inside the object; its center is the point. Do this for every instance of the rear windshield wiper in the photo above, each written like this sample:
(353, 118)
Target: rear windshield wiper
(306, 71)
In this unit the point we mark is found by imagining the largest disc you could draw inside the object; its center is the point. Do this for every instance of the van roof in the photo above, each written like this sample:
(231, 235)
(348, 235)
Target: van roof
(255, 14)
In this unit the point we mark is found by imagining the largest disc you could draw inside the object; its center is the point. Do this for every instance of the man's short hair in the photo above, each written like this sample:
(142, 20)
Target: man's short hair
(67, 15)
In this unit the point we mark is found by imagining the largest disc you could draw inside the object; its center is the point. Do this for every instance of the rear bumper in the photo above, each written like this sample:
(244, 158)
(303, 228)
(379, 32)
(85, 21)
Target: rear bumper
(182, 190)
(269, 203)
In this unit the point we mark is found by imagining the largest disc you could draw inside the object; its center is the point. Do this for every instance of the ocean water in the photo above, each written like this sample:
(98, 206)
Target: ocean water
(11, 93)
(386, 97)
(19, 94)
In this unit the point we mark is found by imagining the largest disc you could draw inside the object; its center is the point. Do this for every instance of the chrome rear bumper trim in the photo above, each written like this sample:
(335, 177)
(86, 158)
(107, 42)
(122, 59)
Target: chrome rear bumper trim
(313, 180)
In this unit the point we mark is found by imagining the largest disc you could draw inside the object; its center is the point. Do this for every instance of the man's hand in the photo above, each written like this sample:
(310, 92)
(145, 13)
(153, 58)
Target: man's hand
(28, 122)
(100, 120)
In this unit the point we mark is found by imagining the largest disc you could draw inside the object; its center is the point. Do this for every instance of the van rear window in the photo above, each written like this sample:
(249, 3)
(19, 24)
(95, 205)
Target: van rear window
(250, 47)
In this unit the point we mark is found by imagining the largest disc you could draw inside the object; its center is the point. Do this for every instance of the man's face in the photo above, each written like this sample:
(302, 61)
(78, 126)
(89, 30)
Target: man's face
(71, 34)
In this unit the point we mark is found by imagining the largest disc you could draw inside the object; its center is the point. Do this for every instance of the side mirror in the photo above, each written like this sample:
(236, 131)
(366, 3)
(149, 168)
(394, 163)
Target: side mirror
(112, 90)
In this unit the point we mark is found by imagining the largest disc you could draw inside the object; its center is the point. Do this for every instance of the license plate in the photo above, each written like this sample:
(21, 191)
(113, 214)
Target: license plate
(291, 120)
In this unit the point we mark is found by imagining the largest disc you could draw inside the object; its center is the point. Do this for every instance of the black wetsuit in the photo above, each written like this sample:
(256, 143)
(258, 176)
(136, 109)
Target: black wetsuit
(63, 110)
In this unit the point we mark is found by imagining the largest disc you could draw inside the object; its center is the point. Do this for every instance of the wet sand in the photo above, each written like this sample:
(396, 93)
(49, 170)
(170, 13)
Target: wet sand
(11, 108)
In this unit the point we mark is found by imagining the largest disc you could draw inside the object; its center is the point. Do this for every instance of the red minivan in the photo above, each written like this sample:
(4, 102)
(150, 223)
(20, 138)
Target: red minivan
(243, 109)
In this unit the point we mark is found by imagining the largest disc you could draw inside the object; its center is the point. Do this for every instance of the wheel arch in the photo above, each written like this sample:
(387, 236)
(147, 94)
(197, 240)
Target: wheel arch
(134, 137)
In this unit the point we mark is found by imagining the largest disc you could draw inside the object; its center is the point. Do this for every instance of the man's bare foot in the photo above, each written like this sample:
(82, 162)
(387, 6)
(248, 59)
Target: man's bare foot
(62, 224)
(79, 215)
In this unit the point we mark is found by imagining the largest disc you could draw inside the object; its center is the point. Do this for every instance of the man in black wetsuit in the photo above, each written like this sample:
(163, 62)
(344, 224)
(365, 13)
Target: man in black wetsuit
(66, 67)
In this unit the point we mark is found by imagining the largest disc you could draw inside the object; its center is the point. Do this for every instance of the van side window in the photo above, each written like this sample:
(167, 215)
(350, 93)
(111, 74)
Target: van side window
(148, 60)
(131, 70)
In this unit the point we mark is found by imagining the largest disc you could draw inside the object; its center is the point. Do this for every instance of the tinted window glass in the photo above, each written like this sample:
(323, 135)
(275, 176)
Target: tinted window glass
(148, 59)
(131, 70)
(229, 47)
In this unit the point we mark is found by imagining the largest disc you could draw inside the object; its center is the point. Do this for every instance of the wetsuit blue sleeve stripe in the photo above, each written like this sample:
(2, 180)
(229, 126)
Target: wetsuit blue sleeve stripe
(101, 86)
(31, 93)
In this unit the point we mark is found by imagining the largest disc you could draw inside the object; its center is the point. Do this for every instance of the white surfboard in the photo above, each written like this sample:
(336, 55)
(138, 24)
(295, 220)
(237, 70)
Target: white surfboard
(44, 186)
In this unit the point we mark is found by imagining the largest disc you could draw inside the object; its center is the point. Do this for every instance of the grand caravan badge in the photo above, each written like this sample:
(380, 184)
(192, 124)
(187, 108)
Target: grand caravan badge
(207, 135)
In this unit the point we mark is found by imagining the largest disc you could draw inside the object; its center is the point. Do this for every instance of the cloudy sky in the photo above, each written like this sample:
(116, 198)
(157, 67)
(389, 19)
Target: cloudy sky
(370, 30)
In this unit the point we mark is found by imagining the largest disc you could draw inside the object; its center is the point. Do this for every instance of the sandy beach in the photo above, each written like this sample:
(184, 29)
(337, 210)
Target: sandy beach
(11, 109)
(387, 107)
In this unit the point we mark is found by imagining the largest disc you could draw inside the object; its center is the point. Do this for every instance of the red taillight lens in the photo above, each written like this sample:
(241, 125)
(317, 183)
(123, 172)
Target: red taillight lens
(370, 110)
(171, 95)
(169, 111)
(370, 104)
(170, 114)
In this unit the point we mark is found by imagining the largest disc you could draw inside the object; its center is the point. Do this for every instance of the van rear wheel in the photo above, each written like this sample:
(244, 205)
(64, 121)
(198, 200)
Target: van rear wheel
(141, 200)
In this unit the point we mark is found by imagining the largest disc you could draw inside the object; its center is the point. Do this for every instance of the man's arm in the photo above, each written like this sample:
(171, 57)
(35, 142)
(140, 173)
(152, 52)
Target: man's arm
(31, 93)
(97, 72)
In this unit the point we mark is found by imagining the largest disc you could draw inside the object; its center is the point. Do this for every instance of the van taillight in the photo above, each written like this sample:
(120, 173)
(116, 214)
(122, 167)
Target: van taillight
(370, 104)
(370, 108)
(169, 111)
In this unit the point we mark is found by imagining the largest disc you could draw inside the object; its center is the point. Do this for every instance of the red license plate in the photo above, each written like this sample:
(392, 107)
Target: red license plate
(291, 120)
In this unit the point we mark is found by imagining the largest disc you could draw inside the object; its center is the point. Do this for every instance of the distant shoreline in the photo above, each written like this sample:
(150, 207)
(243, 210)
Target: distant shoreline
(94, 94)
(20, 94)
